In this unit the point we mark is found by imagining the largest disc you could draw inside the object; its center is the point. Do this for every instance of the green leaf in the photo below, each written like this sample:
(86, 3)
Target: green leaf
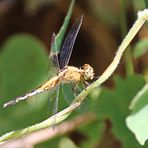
(137, 121)
(24, 65)
(113, 104)
(140, 48)
(60, 35)
(140, 99)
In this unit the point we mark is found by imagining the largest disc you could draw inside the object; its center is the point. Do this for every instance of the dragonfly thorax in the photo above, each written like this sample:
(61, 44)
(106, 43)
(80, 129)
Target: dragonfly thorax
(87, 72)
(69, 74)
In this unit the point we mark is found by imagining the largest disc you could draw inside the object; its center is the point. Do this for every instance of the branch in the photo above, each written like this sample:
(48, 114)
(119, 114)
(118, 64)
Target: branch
(48, 133)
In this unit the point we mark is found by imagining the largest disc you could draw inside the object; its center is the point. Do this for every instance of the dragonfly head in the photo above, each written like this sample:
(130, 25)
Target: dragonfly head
(87, 72)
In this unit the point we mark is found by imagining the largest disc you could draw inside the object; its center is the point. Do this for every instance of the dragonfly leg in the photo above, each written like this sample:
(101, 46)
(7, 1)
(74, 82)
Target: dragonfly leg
(75, 89)
(85, 83)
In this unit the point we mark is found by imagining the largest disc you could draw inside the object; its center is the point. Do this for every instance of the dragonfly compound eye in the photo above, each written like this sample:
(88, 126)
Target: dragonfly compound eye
(87, 72)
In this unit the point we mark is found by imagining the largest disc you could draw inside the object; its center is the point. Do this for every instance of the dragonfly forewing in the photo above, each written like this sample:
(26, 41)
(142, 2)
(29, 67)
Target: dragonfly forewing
(66, 50)
(53, 56)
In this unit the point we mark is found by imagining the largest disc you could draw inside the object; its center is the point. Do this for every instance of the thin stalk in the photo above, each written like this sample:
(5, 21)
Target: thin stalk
(124, 30)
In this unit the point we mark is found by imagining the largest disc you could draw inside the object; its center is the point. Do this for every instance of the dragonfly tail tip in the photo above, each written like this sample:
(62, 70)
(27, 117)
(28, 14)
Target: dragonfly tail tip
(5, 105)
(8, 104)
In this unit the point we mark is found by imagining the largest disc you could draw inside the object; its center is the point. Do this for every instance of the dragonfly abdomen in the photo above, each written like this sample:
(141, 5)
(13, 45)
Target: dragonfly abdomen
(21, 98)
(49, 84)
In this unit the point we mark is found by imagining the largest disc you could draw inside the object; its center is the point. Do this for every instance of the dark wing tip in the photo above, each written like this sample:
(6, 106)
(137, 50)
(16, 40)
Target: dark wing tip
(53, 37)
(9, 103)
(6, 105)
(69, 41)
(81, 17)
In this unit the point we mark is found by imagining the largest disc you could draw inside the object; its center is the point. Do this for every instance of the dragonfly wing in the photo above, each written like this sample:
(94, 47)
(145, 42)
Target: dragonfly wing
(55, 109)
(68, 44)
(56, 102)
(53, 56)
(70, 91)
(54, 67)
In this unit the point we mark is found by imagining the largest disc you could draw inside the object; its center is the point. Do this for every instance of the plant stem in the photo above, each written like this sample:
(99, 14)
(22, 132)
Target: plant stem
(123, 24)
(61, 33)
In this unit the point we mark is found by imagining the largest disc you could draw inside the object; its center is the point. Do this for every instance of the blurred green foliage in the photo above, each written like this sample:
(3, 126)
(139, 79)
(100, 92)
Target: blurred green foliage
(114, 104)
(140, 48)
(137, 121)
(24, 66)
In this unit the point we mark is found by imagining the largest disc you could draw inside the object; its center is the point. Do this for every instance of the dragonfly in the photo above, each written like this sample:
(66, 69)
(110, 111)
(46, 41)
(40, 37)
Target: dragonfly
(65, 73)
